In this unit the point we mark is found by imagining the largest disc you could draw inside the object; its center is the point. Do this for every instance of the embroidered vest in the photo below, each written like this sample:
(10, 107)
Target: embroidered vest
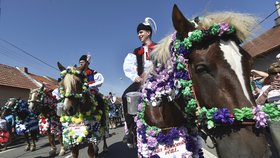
(90, 75)
(139, 52)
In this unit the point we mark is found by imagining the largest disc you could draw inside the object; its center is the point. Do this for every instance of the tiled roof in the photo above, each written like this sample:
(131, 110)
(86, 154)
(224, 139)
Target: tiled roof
(12, 77)
(266, 42)
(49, 83)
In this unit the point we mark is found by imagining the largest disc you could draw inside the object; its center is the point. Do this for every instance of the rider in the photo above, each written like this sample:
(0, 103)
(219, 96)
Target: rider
(135, 65)
(94, 78)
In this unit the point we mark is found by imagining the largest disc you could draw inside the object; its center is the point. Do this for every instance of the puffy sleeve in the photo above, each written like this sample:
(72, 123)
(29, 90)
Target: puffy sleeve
(130, 66)
(56, 93)
(99, 79)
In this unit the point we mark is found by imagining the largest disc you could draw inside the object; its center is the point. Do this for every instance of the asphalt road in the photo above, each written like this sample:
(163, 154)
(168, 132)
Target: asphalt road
(116, 148)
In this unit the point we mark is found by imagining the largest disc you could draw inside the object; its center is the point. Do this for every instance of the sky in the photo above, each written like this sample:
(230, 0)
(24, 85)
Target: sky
(63, 30)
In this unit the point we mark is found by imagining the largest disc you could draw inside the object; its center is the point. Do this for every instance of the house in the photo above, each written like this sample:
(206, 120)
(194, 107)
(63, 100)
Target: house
(14, 84)
(265, 47)
(17, 82)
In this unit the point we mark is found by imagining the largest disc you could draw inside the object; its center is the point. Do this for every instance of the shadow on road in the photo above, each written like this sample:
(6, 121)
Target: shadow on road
(120, 150)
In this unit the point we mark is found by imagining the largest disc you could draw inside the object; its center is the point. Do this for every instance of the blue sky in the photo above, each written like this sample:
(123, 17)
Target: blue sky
(63, 30)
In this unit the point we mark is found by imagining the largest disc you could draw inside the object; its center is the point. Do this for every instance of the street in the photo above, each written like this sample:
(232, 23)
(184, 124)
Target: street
(116, 148)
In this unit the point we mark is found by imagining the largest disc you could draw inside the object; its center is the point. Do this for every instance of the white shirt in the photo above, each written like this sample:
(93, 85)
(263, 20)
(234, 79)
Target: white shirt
(98, 81)
(130, 65)
(273, 96)
(56, 93)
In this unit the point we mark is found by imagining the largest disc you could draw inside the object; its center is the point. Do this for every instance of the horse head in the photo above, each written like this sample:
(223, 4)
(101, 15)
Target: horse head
(9, 107)
(35, 97)
(219, 67)
(73, 89)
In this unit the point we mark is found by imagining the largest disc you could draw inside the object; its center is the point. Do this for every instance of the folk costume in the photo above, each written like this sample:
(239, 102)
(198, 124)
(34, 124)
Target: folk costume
(135, 64)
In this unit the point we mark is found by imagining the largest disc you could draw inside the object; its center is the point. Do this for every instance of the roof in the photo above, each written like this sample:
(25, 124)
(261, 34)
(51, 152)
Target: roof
(264, 43)
(49, 83)
(12, 77)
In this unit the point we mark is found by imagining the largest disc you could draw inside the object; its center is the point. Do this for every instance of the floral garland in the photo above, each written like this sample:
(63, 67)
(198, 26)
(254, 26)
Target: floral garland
(261, 115)
(77, 128)
(83, 123)
(77, 73)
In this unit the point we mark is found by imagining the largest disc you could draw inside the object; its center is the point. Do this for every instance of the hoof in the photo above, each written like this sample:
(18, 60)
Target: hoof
(33, 148)
(61, 153)
(27, 148)
(130, 146)
(52, 153)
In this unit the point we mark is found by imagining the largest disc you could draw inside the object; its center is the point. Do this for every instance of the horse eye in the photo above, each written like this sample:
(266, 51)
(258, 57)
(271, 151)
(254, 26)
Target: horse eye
(201, 69)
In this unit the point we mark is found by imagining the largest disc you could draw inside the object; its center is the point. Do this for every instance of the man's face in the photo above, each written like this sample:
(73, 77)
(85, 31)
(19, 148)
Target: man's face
(143, 35)
(83, 64)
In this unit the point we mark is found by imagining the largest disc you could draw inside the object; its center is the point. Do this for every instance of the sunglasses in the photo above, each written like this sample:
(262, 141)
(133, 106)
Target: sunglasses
(275, 73)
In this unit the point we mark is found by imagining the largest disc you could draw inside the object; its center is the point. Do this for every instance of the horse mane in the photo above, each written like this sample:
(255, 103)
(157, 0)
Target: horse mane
(242, 22)
(69, 80)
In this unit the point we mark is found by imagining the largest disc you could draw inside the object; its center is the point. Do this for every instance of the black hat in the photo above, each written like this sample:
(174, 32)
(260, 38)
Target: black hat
(147, 25)
(83, 57)
(141, 26)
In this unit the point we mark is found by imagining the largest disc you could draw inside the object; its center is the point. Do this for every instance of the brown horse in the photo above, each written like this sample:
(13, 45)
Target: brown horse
(43, 102)
(219, 68)
(77, 98)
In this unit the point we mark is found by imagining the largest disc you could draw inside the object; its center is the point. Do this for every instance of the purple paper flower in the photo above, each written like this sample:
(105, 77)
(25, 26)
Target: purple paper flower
(152, 142)
(260, 117)
(223, 115)
(223, 28)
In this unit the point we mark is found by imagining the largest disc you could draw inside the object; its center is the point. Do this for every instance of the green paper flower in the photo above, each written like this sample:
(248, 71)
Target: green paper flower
(187, 43)
(214, 29)
(196, 36)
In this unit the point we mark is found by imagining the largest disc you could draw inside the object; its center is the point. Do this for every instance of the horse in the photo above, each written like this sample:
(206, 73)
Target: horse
(26, 121)
(81, 108)
(204, 64)
(114, 113)
(43, 102)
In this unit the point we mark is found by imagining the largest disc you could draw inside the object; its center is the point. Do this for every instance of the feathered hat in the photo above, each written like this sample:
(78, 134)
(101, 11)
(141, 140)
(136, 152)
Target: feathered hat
(86, 58)
(147, 25)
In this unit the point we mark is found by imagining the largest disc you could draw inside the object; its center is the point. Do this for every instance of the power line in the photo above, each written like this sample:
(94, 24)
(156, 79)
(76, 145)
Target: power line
(264, 19)
(25, 52)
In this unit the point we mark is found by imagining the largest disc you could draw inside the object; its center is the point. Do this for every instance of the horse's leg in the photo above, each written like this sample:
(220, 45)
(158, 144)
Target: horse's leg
(34, 138)
(52, 143)
(27, 140)
(105, 146)
(62, 150)
(75, 151)
(92, 150)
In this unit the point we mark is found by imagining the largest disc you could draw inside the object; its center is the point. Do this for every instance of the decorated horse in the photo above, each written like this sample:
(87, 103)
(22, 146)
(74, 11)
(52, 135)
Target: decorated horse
(26, 121)
(83, 113)
(200, 82)
(45, 104)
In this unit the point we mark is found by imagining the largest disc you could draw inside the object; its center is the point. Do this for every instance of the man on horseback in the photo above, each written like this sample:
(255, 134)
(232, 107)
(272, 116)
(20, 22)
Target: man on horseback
(135, 65)
(95, 80)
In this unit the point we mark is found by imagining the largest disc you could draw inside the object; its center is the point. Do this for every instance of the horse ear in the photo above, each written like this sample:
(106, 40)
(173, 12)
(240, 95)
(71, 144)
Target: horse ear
(61, 67)
(42, 87)
(180, 23)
